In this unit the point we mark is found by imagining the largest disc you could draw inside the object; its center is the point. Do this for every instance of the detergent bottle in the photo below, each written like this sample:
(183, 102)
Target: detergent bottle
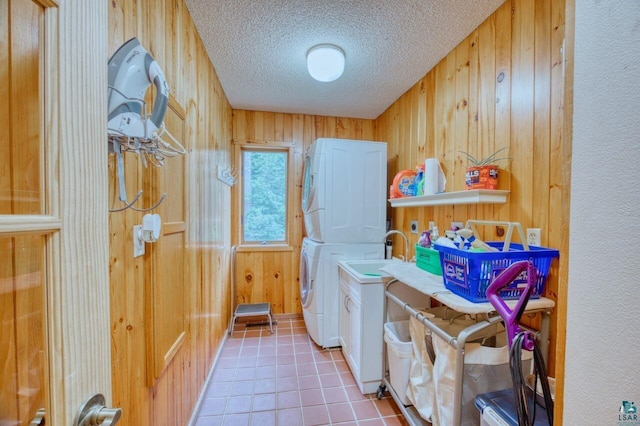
(435, 234)
(420, 180)
(404, 184)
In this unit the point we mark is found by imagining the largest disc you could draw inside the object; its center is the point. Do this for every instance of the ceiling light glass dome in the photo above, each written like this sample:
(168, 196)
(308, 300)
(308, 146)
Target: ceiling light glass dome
(325, 62)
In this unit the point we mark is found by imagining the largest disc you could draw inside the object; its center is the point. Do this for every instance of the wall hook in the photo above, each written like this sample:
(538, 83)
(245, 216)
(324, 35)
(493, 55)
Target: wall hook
(131, 204)
(228, 175)
(123, 189)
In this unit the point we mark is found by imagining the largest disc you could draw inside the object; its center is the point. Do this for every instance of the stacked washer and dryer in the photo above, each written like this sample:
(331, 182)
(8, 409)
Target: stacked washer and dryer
(344, 206)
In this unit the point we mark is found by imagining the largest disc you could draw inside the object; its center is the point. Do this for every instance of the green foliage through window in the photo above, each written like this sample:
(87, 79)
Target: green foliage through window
(264, 195)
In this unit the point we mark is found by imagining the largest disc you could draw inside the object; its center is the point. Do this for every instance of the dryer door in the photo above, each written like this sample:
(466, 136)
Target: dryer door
(307, 184)
(311, 198)
(306, 282)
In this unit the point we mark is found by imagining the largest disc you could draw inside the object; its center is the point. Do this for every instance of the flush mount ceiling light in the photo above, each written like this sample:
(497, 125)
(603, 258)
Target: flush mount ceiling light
(325, 62)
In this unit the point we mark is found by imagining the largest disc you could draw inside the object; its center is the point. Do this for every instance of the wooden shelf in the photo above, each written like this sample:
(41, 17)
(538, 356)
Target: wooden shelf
(476, 196)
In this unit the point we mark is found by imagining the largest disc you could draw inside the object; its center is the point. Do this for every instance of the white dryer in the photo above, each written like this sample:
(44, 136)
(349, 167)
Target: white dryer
(320, 284)
(344, 191)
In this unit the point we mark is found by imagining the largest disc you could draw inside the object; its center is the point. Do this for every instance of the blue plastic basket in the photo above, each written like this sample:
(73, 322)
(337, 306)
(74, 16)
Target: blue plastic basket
(469, 273)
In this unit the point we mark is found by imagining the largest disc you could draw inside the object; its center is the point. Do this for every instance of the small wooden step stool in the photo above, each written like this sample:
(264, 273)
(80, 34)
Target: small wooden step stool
(251, 310)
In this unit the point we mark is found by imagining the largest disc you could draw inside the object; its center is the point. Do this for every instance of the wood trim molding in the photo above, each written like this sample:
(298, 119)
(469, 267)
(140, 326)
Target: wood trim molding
(48, 3)
(257, 143)
(173, 228)
(29, 224)
(289, 148)
(563, 281)
(247, 248)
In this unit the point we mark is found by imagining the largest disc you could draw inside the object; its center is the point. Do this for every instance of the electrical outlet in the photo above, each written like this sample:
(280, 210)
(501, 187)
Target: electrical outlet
(456, 225)
(414, 226)
(138, 244)
(431, 224)
(534, 236)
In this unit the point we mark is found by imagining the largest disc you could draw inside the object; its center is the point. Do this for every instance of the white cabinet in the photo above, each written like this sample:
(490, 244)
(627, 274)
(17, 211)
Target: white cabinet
(361, 329)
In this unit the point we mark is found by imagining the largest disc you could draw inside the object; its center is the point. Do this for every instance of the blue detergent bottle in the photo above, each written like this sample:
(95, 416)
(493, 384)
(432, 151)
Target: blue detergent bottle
(420, 180)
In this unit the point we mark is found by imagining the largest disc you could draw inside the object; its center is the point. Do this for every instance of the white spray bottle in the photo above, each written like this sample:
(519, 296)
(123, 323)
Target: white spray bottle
(467, 234)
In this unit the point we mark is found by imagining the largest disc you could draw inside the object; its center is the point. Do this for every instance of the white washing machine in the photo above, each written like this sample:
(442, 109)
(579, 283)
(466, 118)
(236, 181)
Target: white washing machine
(320, 284)
(344, 191)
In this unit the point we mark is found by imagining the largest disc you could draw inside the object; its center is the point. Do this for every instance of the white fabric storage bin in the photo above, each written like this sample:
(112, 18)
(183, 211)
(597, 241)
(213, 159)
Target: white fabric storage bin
(399, 350)
(486, 369)
(421, 390)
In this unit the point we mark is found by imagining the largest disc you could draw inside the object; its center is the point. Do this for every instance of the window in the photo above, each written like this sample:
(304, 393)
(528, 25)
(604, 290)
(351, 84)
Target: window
(264, 195)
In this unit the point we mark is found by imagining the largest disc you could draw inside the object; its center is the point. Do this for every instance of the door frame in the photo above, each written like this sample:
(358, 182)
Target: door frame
(75, 111)
(74, 219)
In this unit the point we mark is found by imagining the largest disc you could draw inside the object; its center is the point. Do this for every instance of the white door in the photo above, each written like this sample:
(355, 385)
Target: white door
(54, 288)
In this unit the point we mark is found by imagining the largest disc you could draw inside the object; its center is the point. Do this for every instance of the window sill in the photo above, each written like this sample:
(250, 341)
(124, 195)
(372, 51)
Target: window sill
(263, 247)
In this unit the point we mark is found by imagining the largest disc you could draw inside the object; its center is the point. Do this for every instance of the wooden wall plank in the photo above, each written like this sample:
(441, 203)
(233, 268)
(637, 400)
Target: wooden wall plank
(460, 117)
(155, 16)
(560, 172)
(128, 338)
(195, 363)
(462, 121)
(563, 38)
(503, 78)
(116, 25)
(173, 45)
(5, 117)
(542, 114)
(486, 100)
(421, 135)
(522, 83)
(447, 144)
(412, 138)
(472, 132)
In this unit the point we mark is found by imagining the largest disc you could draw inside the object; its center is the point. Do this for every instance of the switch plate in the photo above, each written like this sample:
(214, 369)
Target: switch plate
(534, 236)
(138, 244)
(414, 226)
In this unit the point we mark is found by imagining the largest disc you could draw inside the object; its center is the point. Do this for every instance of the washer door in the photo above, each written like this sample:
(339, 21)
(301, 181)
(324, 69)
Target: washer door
(306, 282)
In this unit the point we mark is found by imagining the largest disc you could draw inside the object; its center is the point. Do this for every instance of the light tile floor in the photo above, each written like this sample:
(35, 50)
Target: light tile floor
(286, 379)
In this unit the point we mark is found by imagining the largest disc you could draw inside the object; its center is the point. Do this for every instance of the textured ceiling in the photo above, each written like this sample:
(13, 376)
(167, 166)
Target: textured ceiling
(258, 48)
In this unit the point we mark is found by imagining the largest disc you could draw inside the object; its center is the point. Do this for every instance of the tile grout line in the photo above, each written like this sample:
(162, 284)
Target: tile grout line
(276, 409)
(295, 360)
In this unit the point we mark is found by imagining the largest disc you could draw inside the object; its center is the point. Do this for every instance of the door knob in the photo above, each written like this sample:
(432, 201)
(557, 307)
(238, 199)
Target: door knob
(94, 412)
(39, 419)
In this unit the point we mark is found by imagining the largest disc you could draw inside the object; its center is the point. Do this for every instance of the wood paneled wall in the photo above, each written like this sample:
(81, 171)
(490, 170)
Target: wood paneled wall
(272, 275)
(166, 29)
(502, 86)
